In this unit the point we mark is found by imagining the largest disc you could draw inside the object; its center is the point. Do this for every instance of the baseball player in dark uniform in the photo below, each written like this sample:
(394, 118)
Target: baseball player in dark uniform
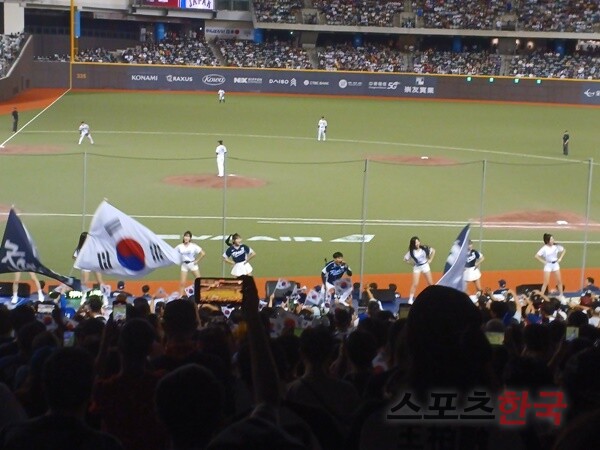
(15, 116)
(566, 143)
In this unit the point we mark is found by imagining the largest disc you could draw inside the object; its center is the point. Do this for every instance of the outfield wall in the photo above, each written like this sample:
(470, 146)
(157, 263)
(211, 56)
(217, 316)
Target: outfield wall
(176, 78)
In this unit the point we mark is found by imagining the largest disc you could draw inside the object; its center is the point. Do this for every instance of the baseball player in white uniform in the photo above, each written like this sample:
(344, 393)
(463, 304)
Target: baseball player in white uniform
(551, 255)
(191, 254)
(84, 131)
(221, 95)
(322, 129)
(220, 151)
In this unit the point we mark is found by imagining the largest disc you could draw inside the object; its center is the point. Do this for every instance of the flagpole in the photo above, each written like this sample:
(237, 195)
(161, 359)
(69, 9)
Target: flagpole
(587, 221)
(363, 222)
(224, 213)
(84, 190)
(482, 203)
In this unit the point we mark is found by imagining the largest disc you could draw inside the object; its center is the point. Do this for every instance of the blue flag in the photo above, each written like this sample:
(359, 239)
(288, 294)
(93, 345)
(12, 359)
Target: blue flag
(455, 263)
(18, 253)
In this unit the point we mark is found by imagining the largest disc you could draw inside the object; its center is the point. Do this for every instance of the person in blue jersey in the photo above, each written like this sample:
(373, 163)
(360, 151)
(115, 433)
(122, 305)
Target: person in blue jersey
(472, 272)
(419, 256)
(333, 271)
(238, 255)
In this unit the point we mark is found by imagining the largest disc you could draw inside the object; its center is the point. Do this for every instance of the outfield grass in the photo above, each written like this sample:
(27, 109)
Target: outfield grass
(314, 189)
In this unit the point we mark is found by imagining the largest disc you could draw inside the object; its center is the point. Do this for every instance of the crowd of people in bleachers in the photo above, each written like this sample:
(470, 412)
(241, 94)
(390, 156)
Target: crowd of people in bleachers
(367, 58)
(368, 13)
(98, 55)
(465, 63)
(279, 11)
(275, 54)
(534, 15)
(566, 15)
(552, 65)
(180, 375)
(171, 50)
(10, 46)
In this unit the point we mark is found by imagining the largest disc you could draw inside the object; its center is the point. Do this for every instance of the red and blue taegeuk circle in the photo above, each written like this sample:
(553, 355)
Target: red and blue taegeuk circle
(131, 254)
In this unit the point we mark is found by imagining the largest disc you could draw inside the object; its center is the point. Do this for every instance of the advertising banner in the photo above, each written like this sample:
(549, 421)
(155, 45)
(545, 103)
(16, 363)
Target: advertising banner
(228, 30)
(208, 5)
(308, 82)
(161, 3)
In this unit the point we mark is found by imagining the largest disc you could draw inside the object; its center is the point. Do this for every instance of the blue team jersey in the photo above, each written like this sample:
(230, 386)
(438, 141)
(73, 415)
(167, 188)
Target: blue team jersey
(238, 254)
(334, 272)
(472, 258)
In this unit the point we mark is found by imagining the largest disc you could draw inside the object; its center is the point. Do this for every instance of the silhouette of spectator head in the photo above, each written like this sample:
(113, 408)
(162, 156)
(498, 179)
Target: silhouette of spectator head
(189, 402)
(136, 339)
(180, 319)
(446, 345)
(316, 346)
(67, 379)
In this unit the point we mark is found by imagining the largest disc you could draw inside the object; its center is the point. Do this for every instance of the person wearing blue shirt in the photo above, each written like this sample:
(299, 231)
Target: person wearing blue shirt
(333, 271)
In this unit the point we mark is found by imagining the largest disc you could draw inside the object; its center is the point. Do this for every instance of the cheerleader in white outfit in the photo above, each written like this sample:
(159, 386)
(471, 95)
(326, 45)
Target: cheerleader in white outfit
(419, 256)
(551, 254)
(191, 254)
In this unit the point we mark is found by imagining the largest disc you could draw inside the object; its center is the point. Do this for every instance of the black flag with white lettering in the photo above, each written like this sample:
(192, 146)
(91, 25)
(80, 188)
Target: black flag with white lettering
(18, 253)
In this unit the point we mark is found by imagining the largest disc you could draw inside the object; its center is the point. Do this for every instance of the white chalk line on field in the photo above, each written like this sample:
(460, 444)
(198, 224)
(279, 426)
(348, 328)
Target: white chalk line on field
(343, 141)
(20, 130)
(350, 222)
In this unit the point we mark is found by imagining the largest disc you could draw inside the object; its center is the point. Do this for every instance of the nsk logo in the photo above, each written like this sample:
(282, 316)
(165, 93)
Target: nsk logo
(144, 77)
(175, 78)
(213, 79)
(247, 80)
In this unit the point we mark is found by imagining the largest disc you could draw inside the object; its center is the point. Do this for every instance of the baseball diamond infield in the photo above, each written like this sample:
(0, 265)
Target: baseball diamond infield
(304, 200)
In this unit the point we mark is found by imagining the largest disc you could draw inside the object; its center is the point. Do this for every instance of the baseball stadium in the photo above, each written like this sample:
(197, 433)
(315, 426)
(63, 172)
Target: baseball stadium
(436, 116)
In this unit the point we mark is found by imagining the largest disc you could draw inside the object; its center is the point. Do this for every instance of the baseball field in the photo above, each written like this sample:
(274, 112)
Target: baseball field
(390, 169)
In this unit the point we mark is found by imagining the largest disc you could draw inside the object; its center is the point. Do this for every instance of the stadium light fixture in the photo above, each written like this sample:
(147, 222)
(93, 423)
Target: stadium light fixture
(516, 81)
(491, 80)
(469, 79)
(538, 81)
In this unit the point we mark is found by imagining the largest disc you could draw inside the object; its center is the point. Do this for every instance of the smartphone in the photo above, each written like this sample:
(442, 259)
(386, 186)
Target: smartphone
(68, 339)
(218, 290)
(495, 337)
(572, 333)
(119, 312)
(45, 308)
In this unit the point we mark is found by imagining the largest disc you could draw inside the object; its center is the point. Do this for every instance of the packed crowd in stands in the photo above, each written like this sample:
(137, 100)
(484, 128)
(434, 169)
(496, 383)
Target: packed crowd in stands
(534, 15)
(369, 13)
(171, 50)
(466, 63)
(553, 65)
(276, 54)
(10, 46)
(566, 15)
(180, 375)
(368, 58)
(465, 14)
(278, 11)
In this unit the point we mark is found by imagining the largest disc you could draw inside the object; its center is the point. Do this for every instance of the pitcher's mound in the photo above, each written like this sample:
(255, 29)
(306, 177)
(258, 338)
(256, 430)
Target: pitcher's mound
(209, 181)
(540, 219)
(413, 160)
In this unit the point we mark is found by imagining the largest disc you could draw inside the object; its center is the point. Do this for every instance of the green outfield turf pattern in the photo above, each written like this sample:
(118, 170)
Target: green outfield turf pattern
(314, 190)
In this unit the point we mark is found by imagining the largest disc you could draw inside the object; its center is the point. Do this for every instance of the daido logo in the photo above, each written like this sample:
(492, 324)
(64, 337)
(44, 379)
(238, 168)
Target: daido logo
(213, 79)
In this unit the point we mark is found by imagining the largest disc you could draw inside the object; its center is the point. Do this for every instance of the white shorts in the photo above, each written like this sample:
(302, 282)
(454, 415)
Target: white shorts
(243, 268)
(551, 267)
(423, 268)
(189, 267)
(472, 274)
